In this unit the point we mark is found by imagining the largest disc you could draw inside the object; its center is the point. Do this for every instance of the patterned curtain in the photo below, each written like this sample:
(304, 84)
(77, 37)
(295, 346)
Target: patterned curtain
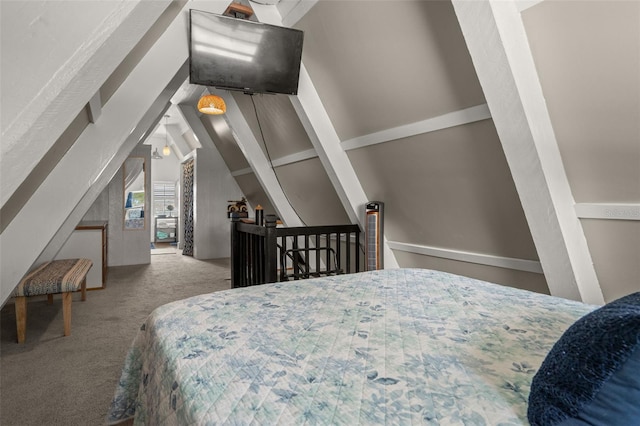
(187, 174)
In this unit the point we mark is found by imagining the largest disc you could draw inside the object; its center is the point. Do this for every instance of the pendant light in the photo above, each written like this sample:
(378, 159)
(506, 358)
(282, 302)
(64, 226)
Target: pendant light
(166, 150)
(212, 105)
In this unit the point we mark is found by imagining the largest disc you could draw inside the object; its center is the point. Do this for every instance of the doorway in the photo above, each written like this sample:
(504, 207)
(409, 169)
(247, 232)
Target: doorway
(166, 218)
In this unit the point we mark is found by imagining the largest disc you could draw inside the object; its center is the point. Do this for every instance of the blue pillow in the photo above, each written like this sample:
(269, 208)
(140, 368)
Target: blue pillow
(591, 376)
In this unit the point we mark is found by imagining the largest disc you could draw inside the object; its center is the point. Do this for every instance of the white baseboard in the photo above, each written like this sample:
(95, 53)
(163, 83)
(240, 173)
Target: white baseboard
(465, 256)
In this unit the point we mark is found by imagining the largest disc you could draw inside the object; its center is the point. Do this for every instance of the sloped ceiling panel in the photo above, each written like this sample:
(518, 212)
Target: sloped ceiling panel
(588, 58)
(587, 55)
(274, 123)
(223, 139)
(451, 189)
(141, 48)
(382, 64)
(42, 22)
(254, 193)
(311, 194)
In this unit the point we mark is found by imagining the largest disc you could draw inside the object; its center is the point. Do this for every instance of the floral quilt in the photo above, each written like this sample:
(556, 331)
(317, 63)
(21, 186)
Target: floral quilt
(397, 346)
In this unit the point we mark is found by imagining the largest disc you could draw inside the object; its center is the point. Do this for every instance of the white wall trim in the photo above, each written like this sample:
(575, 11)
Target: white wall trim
(608, 211)
(470, 257)
(294, 158)
(452, 119)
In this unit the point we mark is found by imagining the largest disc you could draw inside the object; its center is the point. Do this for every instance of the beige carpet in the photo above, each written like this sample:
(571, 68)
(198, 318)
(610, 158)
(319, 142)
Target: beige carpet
(56, 380)
(163, 248)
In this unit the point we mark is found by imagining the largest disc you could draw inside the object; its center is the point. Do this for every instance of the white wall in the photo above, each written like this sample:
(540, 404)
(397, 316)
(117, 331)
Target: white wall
(213, 187)
(167, 169)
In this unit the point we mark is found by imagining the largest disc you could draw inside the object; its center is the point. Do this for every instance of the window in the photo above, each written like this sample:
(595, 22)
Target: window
(164, 199)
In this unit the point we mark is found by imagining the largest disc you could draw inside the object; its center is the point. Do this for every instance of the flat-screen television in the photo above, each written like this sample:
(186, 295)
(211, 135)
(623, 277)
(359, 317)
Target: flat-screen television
(238, 54)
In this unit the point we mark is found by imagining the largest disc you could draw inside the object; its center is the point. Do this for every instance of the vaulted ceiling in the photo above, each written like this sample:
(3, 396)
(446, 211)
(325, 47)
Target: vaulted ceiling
(468, 119)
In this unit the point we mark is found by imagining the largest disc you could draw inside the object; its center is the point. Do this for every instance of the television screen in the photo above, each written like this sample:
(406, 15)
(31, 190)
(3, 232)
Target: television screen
(237, 54)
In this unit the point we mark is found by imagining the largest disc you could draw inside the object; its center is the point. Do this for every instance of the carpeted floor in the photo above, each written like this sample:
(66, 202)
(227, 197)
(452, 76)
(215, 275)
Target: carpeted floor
(55, 380)
(163, 248)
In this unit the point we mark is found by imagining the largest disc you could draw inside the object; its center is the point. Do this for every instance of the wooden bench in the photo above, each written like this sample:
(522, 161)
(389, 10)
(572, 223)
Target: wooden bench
(58, 276)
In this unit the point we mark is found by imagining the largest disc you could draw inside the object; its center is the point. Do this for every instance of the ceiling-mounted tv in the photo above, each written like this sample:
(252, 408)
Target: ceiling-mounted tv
(237, 54)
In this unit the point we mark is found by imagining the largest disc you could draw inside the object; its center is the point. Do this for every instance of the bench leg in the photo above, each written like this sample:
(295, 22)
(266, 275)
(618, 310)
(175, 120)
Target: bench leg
(66, 312)
(21, 318)
(84, 289)
(50, 299)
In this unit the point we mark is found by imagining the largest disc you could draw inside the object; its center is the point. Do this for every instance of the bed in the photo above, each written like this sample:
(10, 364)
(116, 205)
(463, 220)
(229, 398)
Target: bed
(397, 346)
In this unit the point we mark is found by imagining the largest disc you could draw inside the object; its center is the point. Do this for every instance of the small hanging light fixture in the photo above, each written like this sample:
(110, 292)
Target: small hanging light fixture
(156, 155)
(212, 104)
(166, 150)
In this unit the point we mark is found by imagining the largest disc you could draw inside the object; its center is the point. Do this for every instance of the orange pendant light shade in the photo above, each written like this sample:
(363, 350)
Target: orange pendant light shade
(212, 104)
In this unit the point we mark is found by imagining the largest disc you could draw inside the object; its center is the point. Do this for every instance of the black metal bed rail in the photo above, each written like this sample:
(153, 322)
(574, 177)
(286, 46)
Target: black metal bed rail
(265, 253)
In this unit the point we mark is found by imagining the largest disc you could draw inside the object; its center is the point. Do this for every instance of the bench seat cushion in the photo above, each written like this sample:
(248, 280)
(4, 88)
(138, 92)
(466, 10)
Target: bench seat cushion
(56, 276)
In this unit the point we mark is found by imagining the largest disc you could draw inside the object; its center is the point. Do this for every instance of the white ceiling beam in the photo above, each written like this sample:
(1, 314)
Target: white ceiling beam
(293, 10)
(326, 142)
(191, 117)
(257, 160)
(185, 118)
(497, 41)
(180, 147)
